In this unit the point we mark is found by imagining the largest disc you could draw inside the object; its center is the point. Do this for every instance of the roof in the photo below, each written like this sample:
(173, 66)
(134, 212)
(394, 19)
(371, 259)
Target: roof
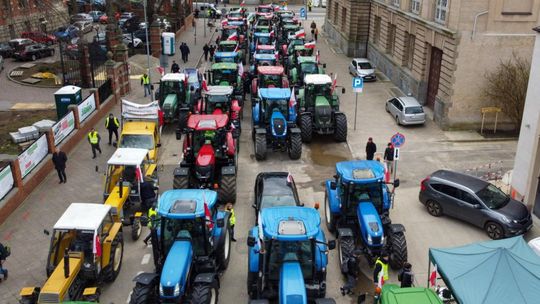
(500, 271)
(317, 79)
(82, 216)
(224, 66)
(225, 54)
(409, 101)
(274, 93)
(139, 127)
(188, 71)
(266, 47)
(273, 219)
(67, 90)
(207, 122)
(235, 22)
(361, 60)
(219, 90)
(264, 57)
(270, 70)
(128, 157)
(228, 42)
(367, 171)
(307, 59)
(471, 182)
(174, 77)
(185, 203)
(393, 294)
(260, 34)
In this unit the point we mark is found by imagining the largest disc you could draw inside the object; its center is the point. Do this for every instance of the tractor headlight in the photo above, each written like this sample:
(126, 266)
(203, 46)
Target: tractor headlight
(160, 290)
(87, 265)
(369, 240)
(176, 290)
(382, 239)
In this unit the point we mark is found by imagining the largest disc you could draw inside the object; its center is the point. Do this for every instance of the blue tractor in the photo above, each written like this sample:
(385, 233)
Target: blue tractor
(357, 205)
(191, 244)
(274, 123)
(288, 256)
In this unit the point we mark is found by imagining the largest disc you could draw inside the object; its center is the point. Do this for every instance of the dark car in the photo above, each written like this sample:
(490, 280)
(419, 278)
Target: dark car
(141, 34)
(6, 50)
(35, 51)
(66, 33)
(96, 15)
(39, 37)
(475, 201)
(274, 189)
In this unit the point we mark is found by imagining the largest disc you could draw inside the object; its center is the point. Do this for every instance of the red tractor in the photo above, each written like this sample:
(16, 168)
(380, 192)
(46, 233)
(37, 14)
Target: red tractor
(220, 100)
(210, 157)
(269, 77)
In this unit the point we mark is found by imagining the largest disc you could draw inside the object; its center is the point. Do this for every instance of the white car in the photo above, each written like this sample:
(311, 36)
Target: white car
(361, 67)
(126, 38)
(84, 26)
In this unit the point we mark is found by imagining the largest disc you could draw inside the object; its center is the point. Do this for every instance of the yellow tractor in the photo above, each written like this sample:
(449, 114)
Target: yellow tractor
(131, 185)
(86, 248)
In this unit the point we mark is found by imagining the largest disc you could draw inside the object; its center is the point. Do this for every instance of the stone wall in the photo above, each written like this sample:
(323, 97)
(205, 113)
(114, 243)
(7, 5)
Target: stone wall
(347, 25)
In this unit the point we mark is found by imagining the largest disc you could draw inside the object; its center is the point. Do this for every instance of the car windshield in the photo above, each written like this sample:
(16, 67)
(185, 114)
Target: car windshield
(176, 229)
(280, 252)
(414, 110)
(137, 141)
(493, 197)
(365, 66)
(309, 68)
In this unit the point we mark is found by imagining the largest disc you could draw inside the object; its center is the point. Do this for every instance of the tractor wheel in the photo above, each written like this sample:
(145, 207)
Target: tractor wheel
(260, 146)
(345, 250)
(398, 250)
(182, 120)
(143, 294)
(306, 127)
(252, 283)
(340, 131)
(111, 271)
(329, 217)
(181, 182)
(295, 146)
(227, 189)
(224, 250)
(204, 294)
(136, 229)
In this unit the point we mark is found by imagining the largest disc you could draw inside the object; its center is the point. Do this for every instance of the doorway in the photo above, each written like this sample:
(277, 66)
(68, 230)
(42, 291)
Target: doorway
(434, 75)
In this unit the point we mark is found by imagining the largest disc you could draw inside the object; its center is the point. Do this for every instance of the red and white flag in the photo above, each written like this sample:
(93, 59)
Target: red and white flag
(386, 173)
(243, 3)
(300, 34)
(138, 174)
(207, 214)
(161, 70)
(224, 22)
(204, 84)
(334, 83)
(233, 36)
(380, 281)
(240, 69)
(97, 245)
(272, 33)
(276, 53)
(292, 101)
(310, 45)
(433, 276)
(318, 56)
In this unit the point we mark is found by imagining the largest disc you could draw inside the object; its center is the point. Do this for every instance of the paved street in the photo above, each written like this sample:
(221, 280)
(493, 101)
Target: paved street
(426, 150)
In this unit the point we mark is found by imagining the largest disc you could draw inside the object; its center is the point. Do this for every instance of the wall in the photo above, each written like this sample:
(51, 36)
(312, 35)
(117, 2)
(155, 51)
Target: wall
(351, 35)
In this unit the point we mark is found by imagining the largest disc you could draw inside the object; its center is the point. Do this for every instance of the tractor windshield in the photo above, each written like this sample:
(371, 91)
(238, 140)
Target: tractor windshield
(280, 252)
(366, 193)
(137, 141)
(184, 230)
(320, 90)
(221, 76)
(170, 87)
(309, 68)
(271, 81)
(262, 40)
(226, 59)
(227, 47)
(215, 102)
(280, 105)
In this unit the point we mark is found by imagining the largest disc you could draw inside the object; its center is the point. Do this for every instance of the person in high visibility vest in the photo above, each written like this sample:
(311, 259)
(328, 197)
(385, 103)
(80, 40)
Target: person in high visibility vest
(381, 265)
(152, 217)
(112, 124)
(232, 220)
(94, 139)
(145, 82)
(310, 5)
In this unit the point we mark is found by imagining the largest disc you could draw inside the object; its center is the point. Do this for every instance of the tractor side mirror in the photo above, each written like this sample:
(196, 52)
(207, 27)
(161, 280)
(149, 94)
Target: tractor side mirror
(342, 90)
(323, 65)
(332, 245)
(333, 185)
(46, 232)
(396, 183)
(221, 223)
(251, 241)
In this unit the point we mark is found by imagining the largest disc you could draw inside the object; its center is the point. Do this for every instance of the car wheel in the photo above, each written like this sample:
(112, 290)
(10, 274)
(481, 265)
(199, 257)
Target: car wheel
(434, 208)
(386, 108)
(494, 230)
(34, 57)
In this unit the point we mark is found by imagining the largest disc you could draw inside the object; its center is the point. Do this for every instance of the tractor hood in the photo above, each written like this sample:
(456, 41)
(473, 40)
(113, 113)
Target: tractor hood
(278, 124)
(206, 156)
(321, 101)
(291, 284)
(169, 104)
(370, 224)
(175, 270)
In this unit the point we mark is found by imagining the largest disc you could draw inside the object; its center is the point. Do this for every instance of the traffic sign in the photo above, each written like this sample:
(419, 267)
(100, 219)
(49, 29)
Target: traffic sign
(396, 153)
(358, 84)
(398, 140)
(302, 12)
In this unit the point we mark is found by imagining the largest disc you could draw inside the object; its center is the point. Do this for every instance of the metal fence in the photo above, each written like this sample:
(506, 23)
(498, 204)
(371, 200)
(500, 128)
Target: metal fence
(105, 90)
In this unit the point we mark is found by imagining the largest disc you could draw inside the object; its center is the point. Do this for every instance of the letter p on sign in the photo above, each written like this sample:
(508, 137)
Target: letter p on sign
(358, 84)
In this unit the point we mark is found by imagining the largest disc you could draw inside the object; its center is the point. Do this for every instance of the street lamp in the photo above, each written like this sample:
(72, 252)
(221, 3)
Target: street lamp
(145, 2)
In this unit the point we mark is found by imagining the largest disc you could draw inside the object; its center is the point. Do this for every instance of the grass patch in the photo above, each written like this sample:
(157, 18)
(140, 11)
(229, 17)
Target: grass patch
(11, 121)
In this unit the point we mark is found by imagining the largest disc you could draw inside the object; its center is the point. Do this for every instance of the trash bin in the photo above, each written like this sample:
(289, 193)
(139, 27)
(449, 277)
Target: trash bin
(66, 96)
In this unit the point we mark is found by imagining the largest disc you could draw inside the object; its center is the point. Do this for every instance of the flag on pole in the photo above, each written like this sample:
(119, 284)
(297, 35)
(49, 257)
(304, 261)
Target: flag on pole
(433, 276)
(204, 85)
(386, 173)
(292, 100)
(300, 34)
(233, 36)
(260, 238)
(318, 56)
(310, 45)
(96, 249)
(276, 53)
(243, 3)
(380, 281)
(334, 82)
(138, 174)
(224, 22)
(240, 69)
(207, 214)
(272, 33)
(161, 70)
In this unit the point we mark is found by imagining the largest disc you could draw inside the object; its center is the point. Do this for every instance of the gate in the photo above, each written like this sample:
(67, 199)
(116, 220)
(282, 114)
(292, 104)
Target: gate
(434, 75)
(70, 60)
(98, 56)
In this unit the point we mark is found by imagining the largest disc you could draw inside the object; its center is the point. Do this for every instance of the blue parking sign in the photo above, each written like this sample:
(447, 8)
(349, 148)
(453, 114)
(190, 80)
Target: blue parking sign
(302, 12)
(358, 84)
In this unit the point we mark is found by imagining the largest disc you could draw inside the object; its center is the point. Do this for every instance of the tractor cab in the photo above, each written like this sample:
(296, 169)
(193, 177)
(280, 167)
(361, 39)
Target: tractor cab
(318, 91)
(172, 95)
(232, 46)
(288, 31)
(299, 51)
(284, 14)
(219, 100)
(265, 49)
(274, 105)
(140, 127)
(266, 8)
(261, 39)
(269, 77)
(231, 32)
(305, 65)
(226, 57)
(224, 73)
(290, 256)
(262, 60)
(288, 49)
(240, 25)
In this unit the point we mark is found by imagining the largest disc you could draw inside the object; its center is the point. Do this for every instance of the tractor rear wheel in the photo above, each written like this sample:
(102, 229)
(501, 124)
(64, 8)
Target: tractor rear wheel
(260, 146)
(224, 250)
(181, 182)
(329, 217)
(227, 189)
(340, 130)
(143, 294)
(398, 250)
(204, 294)
(295, 146)
(111, 271)
(306, 128)
(345, 250)
(136, 229)
(252, 283)
(182, 119)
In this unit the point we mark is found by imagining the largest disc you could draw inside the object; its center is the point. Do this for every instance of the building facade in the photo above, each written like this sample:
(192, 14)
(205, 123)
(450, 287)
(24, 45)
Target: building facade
(440, 50)
(18, 16)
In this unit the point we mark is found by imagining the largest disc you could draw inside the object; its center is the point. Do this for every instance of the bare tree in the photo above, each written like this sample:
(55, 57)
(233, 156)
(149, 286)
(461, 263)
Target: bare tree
(507, 86)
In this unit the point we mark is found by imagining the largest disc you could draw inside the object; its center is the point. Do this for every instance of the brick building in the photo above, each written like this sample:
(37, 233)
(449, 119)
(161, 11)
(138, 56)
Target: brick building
(17, 16)
(439, 50)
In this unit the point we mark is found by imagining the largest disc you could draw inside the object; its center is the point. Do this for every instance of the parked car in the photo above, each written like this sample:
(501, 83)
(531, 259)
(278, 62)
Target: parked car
(6, 50)
(361, 67)
(81, 17)
(34, 51)
(141, 34)
(39, 37)
(20, 43)
(406, 110)
(135, 43)
(274, 189)
(66, 33)
(103, 19)
(96, 15)
(84, 26)
(476, 201)
(203, 9)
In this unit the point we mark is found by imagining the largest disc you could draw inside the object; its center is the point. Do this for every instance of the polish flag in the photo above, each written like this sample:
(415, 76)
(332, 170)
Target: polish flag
(310, 45)
(97, 245)
(292, 101)
(138, 174)
(276, 53)
(224, 22)
(334, 82)
(260, 238)
(161, 70)
(272, 33)
(240, 69)
(380, 281)
(318, 56)
(207, 214)
(204, 85)
(289, 178)
(386, 173)
(300, 34)
(233, 36)
(243, 3)
(433, 276)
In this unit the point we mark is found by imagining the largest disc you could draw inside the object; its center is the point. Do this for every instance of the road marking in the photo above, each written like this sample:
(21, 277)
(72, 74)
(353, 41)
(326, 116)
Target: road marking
(129, 297)
(145, 259)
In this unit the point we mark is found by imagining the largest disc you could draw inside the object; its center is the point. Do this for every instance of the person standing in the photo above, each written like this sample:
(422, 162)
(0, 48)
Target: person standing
(94, 139)
(351, 271)
(389, 157)
(59, 160)
(205, 49)
(152, 221)
(175, 68)
(212, 51)
(406, 276)
(112, 124)
(5, 252)
(310, 5)
(232, 220)
(145, 82)
(371, 148)
(381, 269)
(313, 26)
(186, 47)
(316, 34)
(183, 52)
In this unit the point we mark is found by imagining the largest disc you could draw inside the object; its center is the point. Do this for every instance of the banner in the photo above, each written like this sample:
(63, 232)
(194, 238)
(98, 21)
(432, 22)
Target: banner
(6, 181)
(63, 128)
(87, 107)
(131, 110)
(31, 157)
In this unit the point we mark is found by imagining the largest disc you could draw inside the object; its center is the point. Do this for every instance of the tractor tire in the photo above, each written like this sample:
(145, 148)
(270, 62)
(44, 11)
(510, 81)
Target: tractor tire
(330, 219)
(398, 250)
(111, 271)
(181, 182)
(252, 283)
(345, 250)
(204, 294)
(143, 294)
(260, 146)
(183, 117)
(295, 146)
(136, 229)
(227, 189)
(224, 250)
(306, 128)
(340, 131)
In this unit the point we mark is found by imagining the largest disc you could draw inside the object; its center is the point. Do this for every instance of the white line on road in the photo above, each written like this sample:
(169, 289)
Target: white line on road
(145, 259)
(129, 297)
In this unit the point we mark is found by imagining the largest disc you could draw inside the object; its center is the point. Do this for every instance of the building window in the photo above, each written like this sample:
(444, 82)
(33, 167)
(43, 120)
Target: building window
(441, 11)
(377, 34)
(328, 10)
(336, 5)
(390, 38)
(396, 3)
(343, 18)
(517, 7)
(408, 53)
(415, 6)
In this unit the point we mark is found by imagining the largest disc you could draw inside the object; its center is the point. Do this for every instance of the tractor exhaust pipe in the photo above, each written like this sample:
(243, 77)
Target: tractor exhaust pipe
(66, 263)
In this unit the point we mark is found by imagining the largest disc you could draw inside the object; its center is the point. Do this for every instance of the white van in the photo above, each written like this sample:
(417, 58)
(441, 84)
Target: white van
(323, 3)
(203, 9)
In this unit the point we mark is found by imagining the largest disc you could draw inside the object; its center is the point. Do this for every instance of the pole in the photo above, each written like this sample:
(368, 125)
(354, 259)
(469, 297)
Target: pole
(395, 169)
(62, 62)
(195, 31)
(355, 110)
(205, 24)
(145, 3)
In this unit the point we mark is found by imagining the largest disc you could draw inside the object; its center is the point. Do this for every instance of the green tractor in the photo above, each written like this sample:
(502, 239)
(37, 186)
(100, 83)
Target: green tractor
(305, 65)
(173, 97)
(232, 46)
(226, 74)
(295, 52)
(393, 294)
(319, 109)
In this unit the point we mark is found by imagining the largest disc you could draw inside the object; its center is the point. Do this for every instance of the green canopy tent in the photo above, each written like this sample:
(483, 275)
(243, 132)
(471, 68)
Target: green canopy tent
(502, 271)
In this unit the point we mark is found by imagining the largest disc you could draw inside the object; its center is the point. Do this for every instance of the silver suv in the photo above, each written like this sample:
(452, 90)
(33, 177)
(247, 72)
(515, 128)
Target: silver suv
(406, 110)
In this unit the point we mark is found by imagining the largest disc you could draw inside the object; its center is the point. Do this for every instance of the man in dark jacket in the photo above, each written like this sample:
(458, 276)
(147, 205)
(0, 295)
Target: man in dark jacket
(212, 51)
(175, 68)
(4, 253)
(206, 49)
(112, 124)
(389, 157)
(59, 160)
(406, 276)
(351, 271)
(371, 148)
